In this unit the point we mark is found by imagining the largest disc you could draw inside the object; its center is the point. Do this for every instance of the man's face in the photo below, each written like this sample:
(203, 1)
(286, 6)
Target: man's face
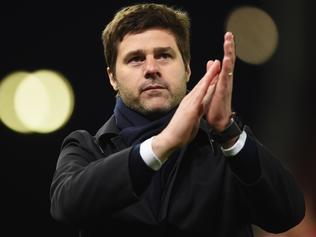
(150, 74)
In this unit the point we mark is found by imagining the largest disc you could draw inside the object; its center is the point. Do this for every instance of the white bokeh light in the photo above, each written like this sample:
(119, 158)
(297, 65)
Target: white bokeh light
(7, 108)
(40, 102)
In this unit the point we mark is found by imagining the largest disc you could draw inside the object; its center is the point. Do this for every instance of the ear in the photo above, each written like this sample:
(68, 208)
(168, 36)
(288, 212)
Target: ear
(113, 82)
(188, 72)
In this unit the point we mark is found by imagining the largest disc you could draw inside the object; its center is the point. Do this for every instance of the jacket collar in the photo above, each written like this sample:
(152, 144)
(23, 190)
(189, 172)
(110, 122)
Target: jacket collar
(108, 130)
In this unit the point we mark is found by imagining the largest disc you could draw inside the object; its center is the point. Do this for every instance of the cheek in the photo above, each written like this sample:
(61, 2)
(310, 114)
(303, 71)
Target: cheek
(127, 80)
(128, 88)
(180, 80)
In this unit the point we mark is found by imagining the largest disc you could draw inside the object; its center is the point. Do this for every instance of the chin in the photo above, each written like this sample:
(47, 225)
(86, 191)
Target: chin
(156, 110)
(157, 105)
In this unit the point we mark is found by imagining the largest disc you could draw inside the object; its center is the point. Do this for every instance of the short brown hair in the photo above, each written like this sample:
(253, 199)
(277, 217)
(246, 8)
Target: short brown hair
(140, 17)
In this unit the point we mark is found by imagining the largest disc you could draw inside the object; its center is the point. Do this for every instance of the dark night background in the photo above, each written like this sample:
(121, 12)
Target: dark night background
(275, 98)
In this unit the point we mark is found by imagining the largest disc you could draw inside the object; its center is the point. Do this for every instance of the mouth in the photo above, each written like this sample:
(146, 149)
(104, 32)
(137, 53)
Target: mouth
(153, 87)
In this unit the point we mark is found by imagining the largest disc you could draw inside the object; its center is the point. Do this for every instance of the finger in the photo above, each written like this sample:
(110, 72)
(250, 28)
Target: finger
(209, 94)
(228, 64)
(209, 64)
(227, 68)
(231, 48)
(229, 55)
(200, 89)
(194, 99)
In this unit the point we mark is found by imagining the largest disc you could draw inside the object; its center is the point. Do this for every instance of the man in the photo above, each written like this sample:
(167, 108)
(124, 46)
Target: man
(169, 162)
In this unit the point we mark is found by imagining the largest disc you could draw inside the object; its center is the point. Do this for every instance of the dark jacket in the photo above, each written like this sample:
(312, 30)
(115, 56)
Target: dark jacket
(206, 194)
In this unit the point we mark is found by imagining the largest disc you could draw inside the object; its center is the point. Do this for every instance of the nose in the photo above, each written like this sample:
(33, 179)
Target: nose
(151, 68)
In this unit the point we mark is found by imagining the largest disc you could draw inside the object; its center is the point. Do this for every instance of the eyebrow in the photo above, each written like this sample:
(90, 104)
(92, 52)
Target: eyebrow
(157, 50)
(132, 54)
(163, 50)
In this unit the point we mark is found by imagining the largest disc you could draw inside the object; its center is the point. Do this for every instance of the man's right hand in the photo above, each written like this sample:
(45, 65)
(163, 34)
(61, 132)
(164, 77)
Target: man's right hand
(185, 122)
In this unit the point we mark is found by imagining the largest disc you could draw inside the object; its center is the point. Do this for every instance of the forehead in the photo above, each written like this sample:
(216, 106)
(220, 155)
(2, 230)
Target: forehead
(147, 41)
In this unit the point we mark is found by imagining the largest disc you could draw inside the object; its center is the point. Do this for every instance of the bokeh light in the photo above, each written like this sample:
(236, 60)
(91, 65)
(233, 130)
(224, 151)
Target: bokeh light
(8, 114)
(255, 32)
(40, 102)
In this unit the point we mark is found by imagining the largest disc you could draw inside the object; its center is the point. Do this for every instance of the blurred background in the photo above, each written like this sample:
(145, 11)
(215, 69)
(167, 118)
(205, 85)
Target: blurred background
(53, 81)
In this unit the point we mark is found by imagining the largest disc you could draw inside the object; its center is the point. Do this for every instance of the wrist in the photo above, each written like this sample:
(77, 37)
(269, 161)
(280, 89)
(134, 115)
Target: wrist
(223, 125)
(161, 146)
(229, 135)
(230, 142)
(148, 155)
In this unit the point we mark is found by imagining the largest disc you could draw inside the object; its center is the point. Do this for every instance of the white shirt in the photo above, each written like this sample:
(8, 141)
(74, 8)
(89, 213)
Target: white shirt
(150, 158)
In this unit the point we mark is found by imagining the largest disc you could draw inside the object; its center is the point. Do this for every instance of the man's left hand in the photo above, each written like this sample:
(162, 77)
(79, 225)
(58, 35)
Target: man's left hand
(217, 103)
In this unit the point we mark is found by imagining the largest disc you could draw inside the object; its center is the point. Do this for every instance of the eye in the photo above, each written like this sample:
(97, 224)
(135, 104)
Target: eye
(136, 59)
(164, 55)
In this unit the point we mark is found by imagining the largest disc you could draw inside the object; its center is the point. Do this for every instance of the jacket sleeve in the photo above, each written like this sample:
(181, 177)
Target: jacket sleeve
(270, 192)
(86, 184)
